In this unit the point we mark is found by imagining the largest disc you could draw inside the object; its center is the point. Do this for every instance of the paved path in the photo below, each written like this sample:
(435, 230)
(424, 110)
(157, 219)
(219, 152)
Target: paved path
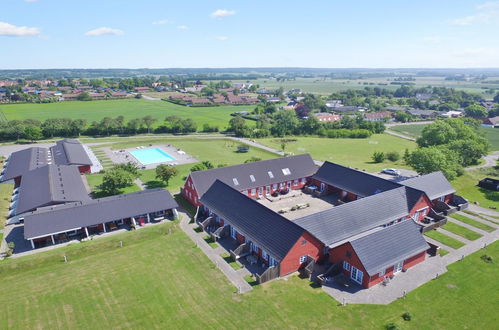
(400, 135)
(488, 222)
(150, 98)
(410, 123)
(471, 247)
(140, 184)
(478, 209)
(490, 161)
(236, 277)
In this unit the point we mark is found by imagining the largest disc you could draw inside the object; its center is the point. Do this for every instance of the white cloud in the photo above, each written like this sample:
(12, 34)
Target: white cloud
(219, 13)
(222, 38)
(487, 12)
(160, 22)
(182, 27)
(489, 5)
(7, 29)
(102, 31)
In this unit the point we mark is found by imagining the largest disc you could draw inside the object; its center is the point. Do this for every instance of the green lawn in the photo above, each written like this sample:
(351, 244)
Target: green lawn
(95, 180)
(161, 280)
(473, 223)
(129, 108)
(444, 239)
(492, 134)
(461, 231)
(5, 197)
(466, 186)
(350, 152)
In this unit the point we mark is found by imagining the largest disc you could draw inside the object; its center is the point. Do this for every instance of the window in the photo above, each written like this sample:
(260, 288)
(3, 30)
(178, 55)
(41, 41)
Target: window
(442, 199)
(303, 242)
(303, 259)
(235, 181)
(302, 180)
(265, 256)
(271, 175)
(356, 275)
(253, 247)
(286, 171)
(253, 191)
(296, 182)
(348, 254)
(346, 266)
(274, 186)
(272, 262)
(252, 178)
(381, 273)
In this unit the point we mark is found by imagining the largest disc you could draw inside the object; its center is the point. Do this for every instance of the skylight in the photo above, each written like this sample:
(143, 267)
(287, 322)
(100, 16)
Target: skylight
(271, 175)
(235, 181)
(252, 177)
(286, 171)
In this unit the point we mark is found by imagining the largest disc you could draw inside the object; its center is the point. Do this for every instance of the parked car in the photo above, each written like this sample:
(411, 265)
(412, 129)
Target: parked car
(391, 171)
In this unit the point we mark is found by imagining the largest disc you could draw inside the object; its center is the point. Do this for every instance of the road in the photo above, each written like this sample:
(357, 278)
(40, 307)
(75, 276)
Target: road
(490, 161)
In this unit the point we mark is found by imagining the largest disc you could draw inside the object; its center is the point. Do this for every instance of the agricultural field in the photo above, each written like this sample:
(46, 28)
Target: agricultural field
(326, 86)
(492, 134)
(160, 279)
(466, 186)
(349, 152)
(129, 108)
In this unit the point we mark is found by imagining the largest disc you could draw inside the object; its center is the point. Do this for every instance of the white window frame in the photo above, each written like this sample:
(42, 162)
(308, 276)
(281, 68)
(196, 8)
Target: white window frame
(303, 259)
(265, 255)
(295, 182)
(346, 265)
(253, 191)
(357, 275)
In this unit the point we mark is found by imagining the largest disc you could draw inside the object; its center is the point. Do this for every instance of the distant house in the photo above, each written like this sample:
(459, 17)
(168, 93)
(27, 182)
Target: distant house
(396, 108)
(423, 96)
(273, 99)
(488, 105)
(98, 96)
(291, 105)
(262, 91)
(491, 122)
(295, 91)
(334, 104)
(141, 89)
(347, 109)
(69, 97)
(378, 116)
(327, 117)
(422, 113)
(452, 114)
(200, 101)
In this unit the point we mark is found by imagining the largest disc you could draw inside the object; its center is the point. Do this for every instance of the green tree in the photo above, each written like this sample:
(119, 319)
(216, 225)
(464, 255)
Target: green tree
(165, 173)
(77, 126)
(33, 133)
(496, 98)
(431, 159)
(148, 121)
(134, 125)
(475, 111)
(393, 156)
(378, 157)
(84, 97)
(237, 125)
(116, 179)
(285, 123)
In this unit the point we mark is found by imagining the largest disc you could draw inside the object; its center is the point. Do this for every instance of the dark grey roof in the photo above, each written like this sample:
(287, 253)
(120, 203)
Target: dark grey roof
(420, 112)
(349, 179)
(25, 160)
(299, 166)
(389, 246)
(350, 219)
(70, 152)
(434, 185)
(70, 216)
(50, 184)
(267, 229)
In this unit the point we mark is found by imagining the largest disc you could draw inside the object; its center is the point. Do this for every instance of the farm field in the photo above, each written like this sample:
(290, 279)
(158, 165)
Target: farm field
(349, 152)
(492, 134)
(327, 86)
(466, 186)
(216, 151)
(162, 280)
(129, 108)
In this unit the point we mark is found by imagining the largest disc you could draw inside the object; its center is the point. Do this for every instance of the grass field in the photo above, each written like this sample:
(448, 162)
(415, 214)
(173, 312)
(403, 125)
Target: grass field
(461, 231)
(492, 134)
(161, 280)
(489, 218)
(444, 239)
(466, 186)
(473, 223)
(349, 152)
(129, 108)
(327, 86)
(5, 196)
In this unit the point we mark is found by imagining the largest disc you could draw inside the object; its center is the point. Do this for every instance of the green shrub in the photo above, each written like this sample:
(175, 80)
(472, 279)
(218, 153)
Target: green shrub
(378, 157)
(407, 316)
(392, 326)
(487, 258)
(393, 156)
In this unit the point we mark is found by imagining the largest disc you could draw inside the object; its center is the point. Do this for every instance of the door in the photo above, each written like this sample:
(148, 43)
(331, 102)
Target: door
(323, 186)
(233, 232)
(267, 190)
(356, 275)
(398, 267)
(260, 191)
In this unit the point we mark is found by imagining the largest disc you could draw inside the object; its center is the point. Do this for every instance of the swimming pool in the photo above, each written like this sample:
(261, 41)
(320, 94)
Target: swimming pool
(151, 156)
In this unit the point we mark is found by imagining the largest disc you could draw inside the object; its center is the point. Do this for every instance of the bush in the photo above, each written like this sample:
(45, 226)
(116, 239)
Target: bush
(487, 258)
(393, 156)
(407, 316)
(392, 326)
(207, 128)
(378, 157)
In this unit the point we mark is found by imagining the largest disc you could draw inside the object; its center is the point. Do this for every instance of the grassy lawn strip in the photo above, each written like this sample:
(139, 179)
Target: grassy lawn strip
(230, 261)
(466, 186)
(443, 252)
(461, 231)
(167, 274)
(483, 216)
(444, 239)
(210, 241)
(473, 223)
(5, 196)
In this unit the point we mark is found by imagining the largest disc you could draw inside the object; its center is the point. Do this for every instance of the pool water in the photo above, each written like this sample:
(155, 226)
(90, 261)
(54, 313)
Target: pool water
(151, 156)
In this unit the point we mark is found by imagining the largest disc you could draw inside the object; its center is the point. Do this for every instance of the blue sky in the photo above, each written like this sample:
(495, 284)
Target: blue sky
(163, 34)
